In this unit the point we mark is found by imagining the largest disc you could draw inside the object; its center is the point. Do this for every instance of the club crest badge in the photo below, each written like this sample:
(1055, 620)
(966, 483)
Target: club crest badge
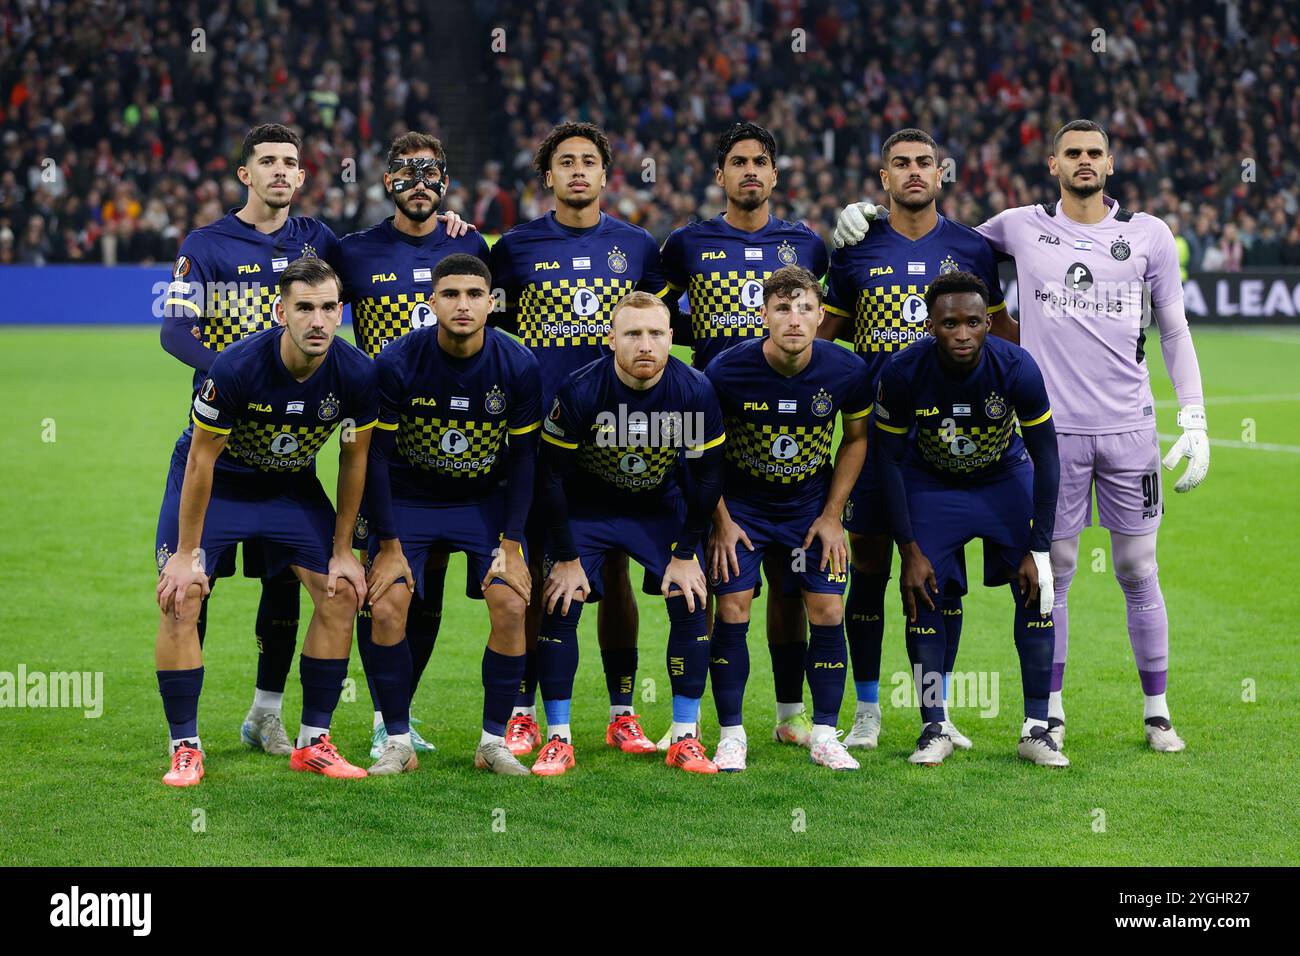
(329, 408)
(1119, 249)
(949, 264)
(162, 557)
(821, 403)
(617, 260)
(362, 530)
(995, 407)
(495, 402)
(308, 251)
(786, 254)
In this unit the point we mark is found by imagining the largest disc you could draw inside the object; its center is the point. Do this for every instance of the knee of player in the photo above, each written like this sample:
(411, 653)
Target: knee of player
(734, 608)
(824, 614)
(506, 608)
(1134, 568)
(389, 613)
(343, 603)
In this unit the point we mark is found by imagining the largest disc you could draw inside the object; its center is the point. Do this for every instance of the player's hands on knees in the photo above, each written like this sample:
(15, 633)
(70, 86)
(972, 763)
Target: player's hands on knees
(566, 583)
(178, 574)
(344, 564)
(828, 532)
(916, 579)
(455, 226)
(721, 550)
(389, 567)
(686, 575)
(1036, 583)
(509, 565)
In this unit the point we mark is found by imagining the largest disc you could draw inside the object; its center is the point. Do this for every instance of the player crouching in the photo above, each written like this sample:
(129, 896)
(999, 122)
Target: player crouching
(779, 396)
(953, 469)
(452, 467)
(270, 402)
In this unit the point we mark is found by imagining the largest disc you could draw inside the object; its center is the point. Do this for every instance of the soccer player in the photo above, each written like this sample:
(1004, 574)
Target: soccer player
(387, 273)
(451, 468)
(953, 468)
(224, 287)
(782, 499)
(562, 275)
(721, 264)
(878, 288)
(611, 452)
(269, 403)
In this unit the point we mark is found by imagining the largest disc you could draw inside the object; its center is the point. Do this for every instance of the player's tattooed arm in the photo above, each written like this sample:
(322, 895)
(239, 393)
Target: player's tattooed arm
(186, 566)
(721, 550)
(827, 529)
(354, 454)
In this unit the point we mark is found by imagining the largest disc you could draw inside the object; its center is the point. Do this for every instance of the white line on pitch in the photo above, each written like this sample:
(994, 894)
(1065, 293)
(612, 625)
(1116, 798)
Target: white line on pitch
(1252, 445)
(1235, 400)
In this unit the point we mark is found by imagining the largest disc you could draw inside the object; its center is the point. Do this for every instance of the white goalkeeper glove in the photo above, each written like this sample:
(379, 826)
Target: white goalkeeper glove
(1194, 444)
(1046, 586)
(854, 221)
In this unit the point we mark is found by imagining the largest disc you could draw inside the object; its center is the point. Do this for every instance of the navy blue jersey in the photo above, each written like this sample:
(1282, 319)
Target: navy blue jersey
(722, 268)
(277, 424)
(965, 424)
(779, 429)
(627, 442)
(452, 416)
(388, 276)
(227, 277)
(880, 283)
(561, 285)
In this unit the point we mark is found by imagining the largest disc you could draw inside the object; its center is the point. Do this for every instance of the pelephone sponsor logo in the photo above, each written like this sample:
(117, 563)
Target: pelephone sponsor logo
(76, 689)
(74, 909)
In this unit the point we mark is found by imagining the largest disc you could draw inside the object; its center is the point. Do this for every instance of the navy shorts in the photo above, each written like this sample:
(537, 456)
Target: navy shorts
(945, 516)
(425, 527)
(648, 536)
(864, 512)
(778, 534)
(291, 526)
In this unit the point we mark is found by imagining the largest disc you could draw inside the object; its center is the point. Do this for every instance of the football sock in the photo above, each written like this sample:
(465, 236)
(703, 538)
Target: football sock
(1029, 724)
(267, 702)
(557, 717)
(202, 622)
(736, 731)
(1148, 630)
(423, 621)
(620, 675)
(926, 642)
(688, 652)
(787, 670)
(194, 742)
(401, 738)
(952, 621)
(786, 711)
(391, 668)
(867, 708)
(827, 663)
(1153, 705)
(1034, 643)
(821, 732)
(1060, 631)
(487, 738)
(378, 720)
(528, 687)
(306, 734)
(501, 676)
(947, 687)
(557, 655)
(868, 693)
(1055, 705)
(277, 632)
(729, 669)
(365, 627)
(864, 626)
(529, 711)
(322, 683)
(180, 696)
(619, 710)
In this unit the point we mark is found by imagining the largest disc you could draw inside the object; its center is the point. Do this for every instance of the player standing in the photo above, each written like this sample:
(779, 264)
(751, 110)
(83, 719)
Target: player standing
(879, 285)
(387, 273)
(721, 265)
(952, 469)
(611, 452)
(270, 402)
(224, 287)
(445, 476)
(782, 499)
(562, 275)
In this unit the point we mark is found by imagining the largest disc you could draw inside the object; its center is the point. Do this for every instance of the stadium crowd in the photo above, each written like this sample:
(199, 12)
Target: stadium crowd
(120, 125)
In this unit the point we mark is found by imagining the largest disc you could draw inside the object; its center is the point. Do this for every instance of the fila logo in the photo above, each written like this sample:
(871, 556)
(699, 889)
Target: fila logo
(880, 271)
(829, 665)
(384, 277)
(430, 402)
(934, 410)
(1038, 624)
(713, 254)
(248, 269)
(543, 266)
(1050, 240)
(755, 406)
(913, 629)
(258, 407)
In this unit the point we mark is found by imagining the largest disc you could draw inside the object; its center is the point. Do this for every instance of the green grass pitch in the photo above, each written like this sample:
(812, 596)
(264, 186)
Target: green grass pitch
(76, 594)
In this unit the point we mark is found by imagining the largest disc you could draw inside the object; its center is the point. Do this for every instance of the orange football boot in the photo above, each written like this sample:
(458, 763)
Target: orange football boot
(321, 757)
(187, 767)
(626, 734)
(690, 756)
(556, 758)
(522, 734)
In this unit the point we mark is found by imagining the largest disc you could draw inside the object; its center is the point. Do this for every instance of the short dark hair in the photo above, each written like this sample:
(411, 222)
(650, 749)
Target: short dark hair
(909, 135)
(742, 131)
(589, 131)
(955, 283)
(787, 280)
(267, 133)
(462, 264)
(1079, 126)
(309, 270)
(413, 142)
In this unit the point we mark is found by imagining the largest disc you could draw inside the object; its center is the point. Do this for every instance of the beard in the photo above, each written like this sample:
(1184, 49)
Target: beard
(641, 372)
(273, 201)
(580, 202)
(912, 202)
(1086, 189)
(748, 201)
(417, 215)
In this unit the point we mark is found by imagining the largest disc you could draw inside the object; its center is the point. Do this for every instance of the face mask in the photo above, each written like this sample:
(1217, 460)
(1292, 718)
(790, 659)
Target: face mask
(408, 173)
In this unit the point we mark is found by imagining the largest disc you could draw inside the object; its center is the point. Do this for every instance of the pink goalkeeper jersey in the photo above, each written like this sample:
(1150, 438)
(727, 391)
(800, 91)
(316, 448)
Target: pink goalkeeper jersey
(1081, 305)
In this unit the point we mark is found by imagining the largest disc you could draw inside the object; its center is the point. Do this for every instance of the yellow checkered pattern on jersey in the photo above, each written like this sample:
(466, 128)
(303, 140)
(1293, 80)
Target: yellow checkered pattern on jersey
(237, 309)
(633, 468)
(448, 447)
(780, 454)
(982, 446)
(880, 310)
(552, 302)
(263, 445)
(719, 293)
(383, 318)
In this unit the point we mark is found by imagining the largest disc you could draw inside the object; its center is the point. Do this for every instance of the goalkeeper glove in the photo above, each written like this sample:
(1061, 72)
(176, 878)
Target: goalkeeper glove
(1046, 586)
(854, 221)
(1194, 444)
